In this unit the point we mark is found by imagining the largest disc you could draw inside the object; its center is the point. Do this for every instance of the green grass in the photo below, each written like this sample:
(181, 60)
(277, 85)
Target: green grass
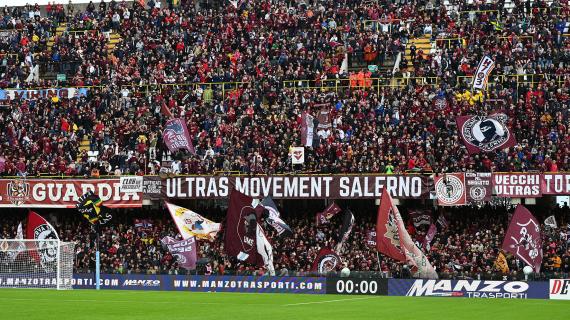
(109, 305)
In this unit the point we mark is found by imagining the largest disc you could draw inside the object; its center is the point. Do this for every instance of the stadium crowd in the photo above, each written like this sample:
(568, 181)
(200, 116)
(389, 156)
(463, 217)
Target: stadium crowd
(466, 248)
(272, 51)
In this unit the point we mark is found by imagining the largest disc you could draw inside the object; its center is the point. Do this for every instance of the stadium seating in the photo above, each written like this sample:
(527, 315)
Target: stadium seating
(242, 78)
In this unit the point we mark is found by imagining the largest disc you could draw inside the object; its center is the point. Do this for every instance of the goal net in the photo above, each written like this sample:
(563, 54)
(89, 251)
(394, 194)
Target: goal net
(36, 263)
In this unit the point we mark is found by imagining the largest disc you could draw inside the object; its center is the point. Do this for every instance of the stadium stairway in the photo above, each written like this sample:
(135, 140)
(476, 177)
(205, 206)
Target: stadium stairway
(113, 39)
(58, 32)
(84, 145)
(423, 43)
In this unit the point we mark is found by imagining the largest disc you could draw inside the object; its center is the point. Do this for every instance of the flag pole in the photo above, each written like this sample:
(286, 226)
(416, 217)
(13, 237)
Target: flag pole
(97, 257)
(378, 260)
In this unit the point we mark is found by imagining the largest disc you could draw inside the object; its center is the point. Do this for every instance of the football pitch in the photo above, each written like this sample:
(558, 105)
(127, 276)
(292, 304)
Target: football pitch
(90, 304)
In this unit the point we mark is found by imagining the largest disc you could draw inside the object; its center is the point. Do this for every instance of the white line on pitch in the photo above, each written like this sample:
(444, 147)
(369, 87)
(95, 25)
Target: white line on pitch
(327, 301)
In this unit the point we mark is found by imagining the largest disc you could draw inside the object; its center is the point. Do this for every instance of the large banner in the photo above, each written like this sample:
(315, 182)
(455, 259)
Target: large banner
(485, 133)
(61, 93)
(517, 185)
(492, 289)
(50, 193)
(555, 183)
(297, 187)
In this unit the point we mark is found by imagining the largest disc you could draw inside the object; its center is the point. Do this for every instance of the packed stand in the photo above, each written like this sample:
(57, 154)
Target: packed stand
(248, 127)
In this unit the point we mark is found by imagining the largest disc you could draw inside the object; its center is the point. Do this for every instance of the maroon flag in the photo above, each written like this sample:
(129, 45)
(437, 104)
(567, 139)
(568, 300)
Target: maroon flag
(420, 217)
(44, 250)
(327, 260)
(523, 238)
(241, 231)
(430, 234)
(183, 250)
(324, 217)
(450, 189)
(307, 129)
(485, 133)
(165, 110)
(176, 136)
(393, 240)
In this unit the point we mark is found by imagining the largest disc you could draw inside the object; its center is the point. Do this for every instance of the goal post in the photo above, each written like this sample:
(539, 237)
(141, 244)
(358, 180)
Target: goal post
(44, 264)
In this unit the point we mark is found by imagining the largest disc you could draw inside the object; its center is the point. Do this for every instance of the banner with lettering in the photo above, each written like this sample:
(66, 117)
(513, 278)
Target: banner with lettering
(481, 77)
(517, 185)
(297, 187)
(50, 193)
(478, 187)
(555, 183)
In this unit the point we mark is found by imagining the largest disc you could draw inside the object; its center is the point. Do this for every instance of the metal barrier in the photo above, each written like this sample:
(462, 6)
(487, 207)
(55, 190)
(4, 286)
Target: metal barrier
(210, 89)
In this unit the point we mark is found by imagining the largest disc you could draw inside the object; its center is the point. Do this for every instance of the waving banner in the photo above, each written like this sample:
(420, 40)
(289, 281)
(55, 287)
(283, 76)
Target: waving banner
(176, 136)
(47, 241)
(183, 250)
(273, 217)
(393, 240)
(485, 133)
(327, 260)
(243, 237)
(523, 238)
(190, 224)
(420, 217)
(481, 77)
(324, 217)
(91, 207)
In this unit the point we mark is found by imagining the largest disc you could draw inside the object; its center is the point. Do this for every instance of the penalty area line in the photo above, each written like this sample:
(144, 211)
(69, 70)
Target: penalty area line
(326, 301)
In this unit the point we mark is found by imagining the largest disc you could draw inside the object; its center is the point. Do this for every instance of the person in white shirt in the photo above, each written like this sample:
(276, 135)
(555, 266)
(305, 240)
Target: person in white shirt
(175, 166)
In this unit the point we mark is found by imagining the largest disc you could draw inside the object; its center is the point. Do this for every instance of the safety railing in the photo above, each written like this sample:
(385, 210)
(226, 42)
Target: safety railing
(446, 42)
(223, 89)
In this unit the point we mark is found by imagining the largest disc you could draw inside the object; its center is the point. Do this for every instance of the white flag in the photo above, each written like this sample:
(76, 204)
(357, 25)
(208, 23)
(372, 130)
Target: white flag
(190, 224)
(298, 155)
(551, 222)
(265, 250)
(19, 246)
(481, 77)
